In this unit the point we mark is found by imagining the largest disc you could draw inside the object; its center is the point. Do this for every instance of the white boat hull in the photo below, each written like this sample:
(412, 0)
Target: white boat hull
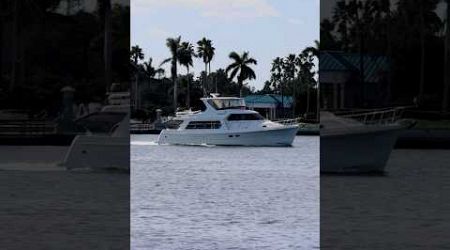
(281, 136)
(98, 152)
(363, 152)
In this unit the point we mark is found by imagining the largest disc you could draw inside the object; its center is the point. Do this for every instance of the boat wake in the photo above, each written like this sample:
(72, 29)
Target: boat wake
(144, 143)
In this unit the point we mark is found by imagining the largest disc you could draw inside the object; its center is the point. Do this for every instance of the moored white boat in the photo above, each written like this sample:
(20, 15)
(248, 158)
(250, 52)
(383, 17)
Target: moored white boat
(226, 121)
(350, 146)
(108, 149)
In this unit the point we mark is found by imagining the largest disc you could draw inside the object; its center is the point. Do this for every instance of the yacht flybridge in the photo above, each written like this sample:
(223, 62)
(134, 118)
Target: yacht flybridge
(225, 121)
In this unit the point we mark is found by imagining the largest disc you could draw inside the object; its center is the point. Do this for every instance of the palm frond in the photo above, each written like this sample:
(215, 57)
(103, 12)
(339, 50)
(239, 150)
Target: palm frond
(231, 66)
(165, 61)
(235, 56)
(251, 61)
(234, 72)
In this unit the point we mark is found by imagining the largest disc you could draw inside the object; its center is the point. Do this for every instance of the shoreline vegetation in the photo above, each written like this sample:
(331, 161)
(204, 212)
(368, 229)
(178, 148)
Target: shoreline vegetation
(294, 75)
(54, 47)
(415, 38)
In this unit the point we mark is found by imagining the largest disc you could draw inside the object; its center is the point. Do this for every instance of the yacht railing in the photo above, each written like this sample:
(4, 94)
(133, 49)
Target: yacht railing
(140, 127)
(287, 122)
(378, 116)
(12, 127)
(369, 117)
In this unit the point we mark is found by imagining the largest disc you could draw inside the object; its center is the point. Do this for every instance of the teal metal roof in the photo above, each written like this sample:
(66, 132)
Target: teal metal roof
(330, 62)
(268, 99)
(349, 62)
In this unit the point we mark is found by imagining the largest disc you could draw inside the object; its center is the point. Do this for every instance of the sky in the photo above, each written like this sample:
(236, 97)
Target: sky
(265, 28)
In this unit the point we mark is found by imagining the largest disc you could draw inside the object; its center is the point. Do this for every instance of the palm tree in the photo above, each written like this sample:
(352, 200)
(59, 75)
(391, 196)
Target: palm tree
(276, 78)
(136, 54)
(277, 71)
(422, 20)
(290, 70)
(342, 19)
(104, 7)
(14, 44)
(316, 53)
(174, 46)
(205, 50)
(327, 35)
(186, 55)
(305, 63)
(446, 59)
(240, 68)
(151, 71)
(352, 18)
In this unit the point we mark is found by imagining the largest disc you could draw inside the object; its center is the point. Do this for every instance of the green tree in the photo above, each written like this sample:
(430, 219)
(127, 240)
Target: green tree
(371, 26)
(136, 54)
(290, 70)
(327, 37)
(186, 54)
(277, 80)
(151, 71)
(444, 105)
(341, 18)
(205, 51)
(306, 73)
(240, 68)
(174, 45)
(276, 74)
(104, 7)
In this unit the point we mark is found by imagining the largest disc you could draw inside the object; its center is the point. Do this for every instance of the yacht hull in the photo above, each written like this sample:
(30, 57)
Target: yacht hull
(269, 137)
(98, 152)
(364, 152)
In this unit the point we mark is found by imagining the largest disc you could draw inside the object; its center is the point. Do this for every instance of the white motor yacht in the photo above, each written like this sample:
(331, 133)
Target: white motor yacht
(351, 146)
(106, 145)
(226, 121)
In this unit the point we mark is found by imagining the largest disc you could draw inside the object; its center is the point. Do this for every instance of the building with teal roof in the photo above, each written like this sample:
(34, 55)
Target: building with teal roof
(340, 81)
(270, 106)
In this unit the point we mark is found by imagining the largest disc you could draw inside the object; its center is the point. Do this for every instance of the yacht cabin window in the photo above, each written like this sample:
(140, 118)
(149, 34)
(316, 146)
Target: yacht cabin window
(220, 104)
(173, 124)
(245, 117)
(204, 125)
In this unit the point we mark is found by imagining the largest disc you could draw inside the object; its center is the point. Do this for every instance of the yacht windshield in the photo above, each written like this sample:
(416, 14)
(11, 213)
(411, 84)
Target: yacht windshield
(227, 103)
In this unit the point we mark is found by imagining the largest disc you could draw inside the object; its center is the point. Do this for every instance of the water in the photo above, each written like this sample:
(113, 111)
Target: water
(407, 208)
(53, 208)
(206, 197)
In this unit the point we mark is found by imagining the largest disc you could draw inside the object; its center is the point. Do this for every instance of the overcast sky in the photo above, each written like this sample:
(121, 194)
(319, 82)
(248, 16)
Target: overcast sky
(265, 28)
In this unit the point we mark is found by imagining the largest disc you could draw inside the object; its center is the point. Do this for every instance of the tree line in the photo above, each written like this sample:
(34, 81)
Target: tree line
(290, 76)
(46, 45)
(295, 74)
(410, 33)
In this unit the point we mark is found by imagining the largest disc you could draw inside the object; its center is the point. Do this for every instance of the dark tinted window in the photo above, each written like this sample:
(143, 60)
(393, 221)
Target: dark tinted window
(204, 125)
(245, 117)
(173, 124)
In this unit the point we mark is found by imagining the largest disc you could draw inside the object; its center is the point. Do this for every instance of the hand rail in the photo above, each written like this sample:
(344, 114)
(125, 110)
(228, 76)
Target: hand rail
(377, 117)
(11, 127)
(292, 121)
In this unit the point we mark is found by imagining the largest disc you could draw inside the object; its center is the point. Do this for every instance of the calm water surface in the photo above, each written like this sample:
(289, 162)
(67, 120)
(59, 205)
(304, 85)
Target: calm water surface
(407, 208)
(187, 197)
